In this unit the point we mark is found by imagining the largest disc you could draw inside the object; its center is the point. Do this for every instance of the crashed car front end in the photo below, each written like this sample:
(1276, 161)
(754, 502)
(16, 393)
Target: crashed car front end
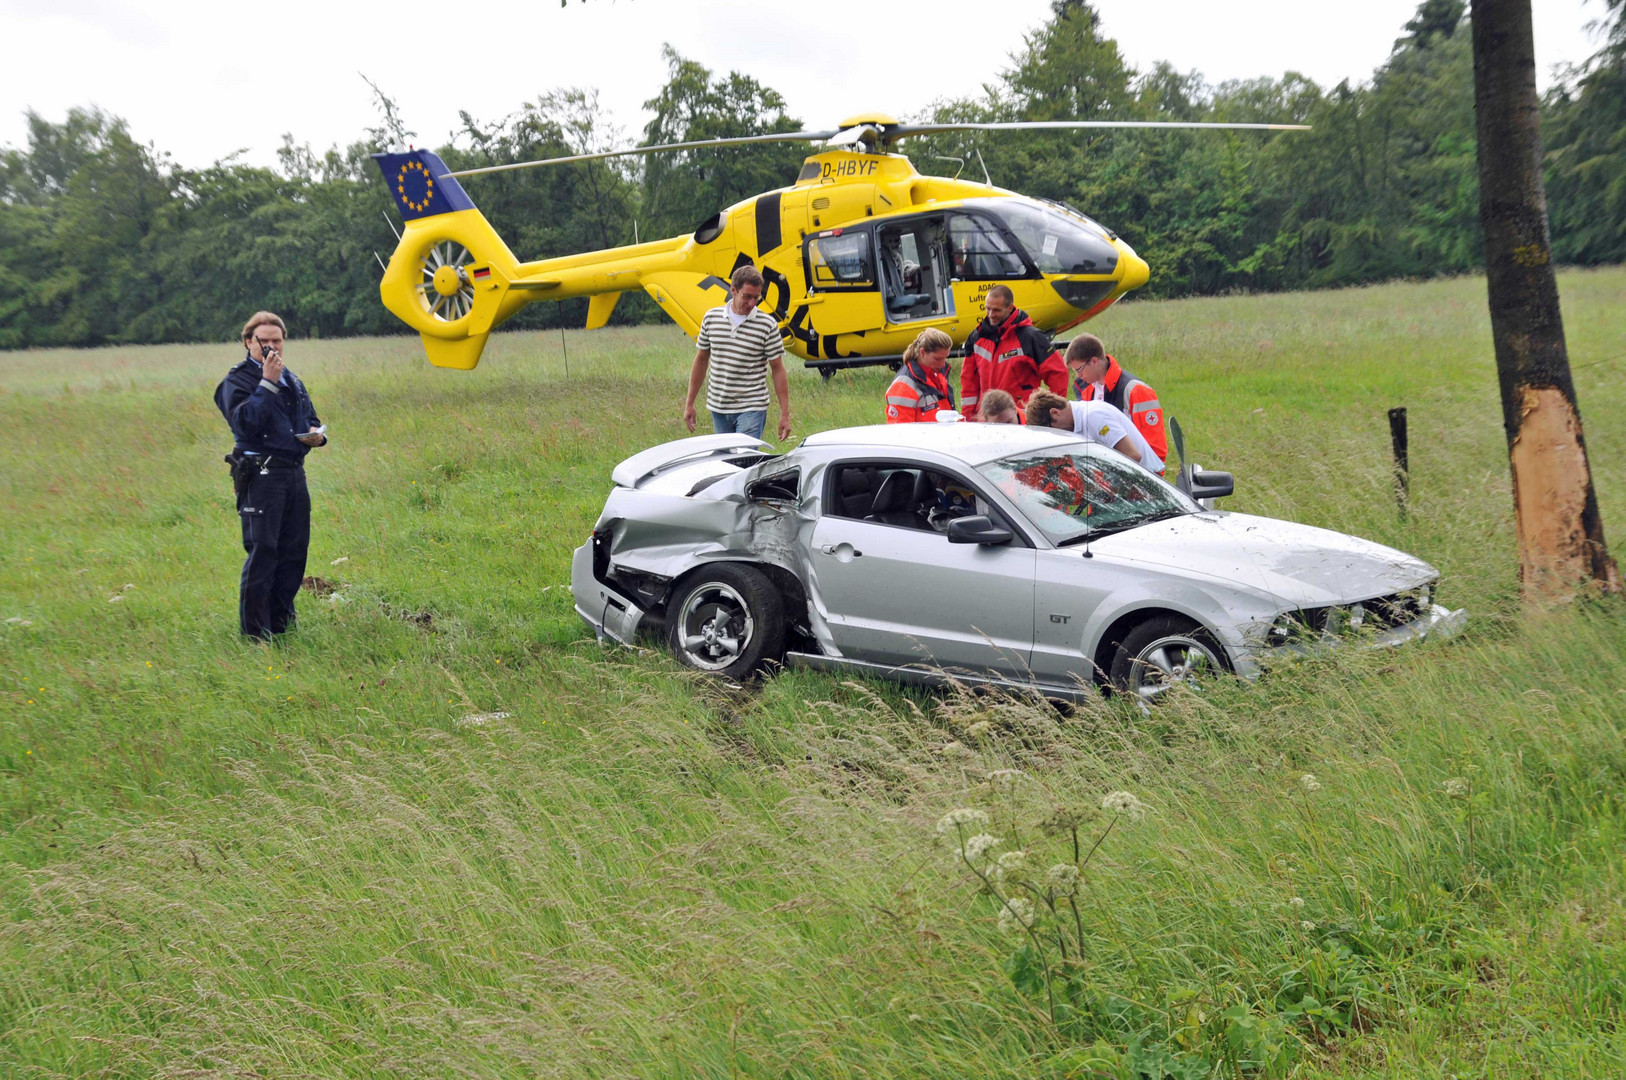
(1376, 622)
(676, 507)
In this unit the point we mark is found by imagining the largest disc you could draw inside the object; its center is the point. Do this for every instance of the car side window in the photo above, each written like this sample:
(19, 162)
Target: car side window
(904, 497)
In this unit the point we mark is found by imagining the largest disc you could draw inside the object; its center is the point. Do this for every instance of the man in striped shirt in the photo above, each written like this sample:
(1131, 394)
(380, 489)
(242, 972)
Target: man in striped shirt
(739, 345)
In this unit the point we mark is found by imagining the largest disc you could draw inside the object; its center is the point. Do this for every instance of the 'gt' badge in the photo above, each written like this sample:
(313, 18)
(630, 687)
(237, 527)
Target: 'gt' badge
(1105, 428)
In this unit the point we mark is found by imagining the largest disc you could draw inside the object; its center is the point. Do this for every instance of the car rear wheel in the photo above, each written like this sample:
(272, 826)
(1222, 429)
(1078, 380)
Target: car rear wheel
(1163, 653)
(727, 620)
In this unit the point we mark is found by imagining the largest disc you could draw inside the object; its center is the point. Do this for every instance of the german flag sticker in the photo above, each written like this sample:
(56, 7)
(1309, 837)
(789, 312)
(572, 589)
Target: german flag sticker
(482, 273)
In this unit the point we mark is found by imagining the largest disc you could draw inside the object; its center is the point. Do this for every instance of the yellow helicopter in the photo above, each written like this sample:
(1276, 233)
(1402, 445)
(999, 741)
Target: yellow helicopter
(859, 255)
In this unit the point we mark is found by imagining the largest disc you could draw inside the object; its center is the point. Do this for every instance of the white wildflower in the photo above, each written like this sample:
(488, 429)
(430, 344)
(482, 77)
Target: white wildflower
(979, 845)
(1063, 878)
(979, 729)
(1016, 915)
(963, 818)
(1457, 787)
(480, 719)
(1012, 862)
(1125, 803)
(1005, 777)
(1309, 783)
(116, 598)
(1297, 901)
(340, 559)
(1307, 925)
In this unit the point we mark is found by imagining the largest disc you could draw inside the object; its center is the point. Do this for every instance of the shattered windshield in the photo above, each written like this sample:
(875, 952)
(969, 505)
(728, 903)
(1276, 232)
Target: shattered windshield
(1071, 493)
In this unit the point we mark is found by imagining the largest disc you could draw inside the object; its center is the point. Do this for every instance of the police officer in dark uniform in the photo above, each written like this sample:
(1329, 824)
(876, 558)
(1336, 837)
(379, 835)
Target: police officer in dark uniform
(275, 426)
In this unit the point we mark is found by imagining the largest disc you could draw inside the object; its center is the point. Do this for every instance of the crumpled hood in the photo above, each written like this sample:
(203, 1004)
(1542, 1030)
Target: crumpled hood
(1302, 565)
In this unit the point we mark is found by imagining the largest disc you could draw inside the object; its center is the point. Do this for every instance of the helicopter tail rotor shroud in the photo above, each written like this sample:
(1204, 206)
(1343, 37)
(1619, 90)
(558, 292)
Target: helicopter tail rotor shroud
(450, 275)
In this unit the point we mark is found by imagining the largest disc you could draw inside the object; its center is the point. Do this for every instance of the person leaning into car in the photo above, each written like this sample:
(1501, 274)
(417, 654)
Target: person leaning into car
(998, 407)
(1096, 421)
(1097, 377)
(275, 426)
(921, 390)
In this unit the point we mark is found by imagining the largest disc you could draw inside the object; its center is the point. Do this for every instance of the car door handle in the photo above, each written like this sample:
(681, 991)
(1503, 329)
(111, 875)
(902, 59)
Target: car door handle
(842, 551)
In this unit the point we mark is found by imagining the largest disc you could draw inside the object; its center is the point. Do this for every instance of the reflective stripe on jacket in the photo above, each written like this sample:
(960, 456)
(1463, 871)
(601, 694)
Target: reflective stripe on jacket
(918, 395)
(1134, 399)
(1015, 357)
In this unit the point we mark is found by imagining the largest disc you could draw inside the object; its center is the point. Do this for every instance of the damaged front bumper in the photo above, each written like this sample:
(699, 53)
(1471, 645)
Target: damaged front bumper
(1438, 622)
(607, 611)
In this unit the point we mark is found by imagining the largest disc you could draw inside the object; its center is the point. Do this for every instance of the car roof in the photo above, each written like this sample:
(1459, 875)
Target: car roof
(972, 443)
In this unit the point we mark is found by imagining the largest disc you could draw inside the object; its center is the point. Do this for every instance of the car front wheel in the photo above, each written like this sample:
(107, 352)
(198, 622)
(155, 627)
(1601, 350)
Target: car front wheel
(727, 620)
(1162, 653)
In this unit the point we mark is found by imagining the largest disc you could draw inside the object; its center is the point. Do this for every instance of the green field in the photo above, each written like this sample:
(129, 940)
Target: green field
(330, 857)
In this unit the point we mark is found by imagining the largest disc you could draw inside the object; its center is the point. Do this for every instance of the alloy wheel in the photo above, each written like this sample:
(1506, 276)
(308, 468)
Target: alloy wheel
(1170, 661)
(714, 626)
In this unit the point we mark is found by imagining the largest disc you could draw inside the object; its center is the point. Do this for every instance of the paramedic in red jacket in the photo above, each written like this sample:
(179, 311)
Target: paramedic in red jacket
(1097, 377)
(921, 389)
(1007, 352)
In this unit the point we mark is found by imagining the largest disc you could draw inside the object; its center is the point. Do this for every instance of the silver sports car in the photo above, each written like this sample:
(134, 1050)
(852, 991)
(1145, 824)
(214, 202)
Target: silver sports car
(992, 554)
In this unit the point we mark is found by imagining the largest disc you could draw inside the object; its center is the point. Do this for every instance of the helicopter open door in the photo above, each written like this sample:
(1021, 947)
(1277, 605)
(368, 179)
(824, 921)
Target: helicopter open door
(916, 279)
(841, 281)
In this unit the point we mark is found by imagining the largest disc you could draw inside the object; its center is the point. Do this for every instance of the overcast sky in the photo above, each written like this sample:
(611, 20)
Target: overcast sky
(203, 80)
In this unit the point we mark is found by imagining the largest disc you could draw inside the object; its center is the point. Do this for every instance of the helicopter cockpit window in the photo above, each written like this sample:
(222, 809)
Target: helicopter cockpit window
(980, 252)
(1060, 242)
(840, 261)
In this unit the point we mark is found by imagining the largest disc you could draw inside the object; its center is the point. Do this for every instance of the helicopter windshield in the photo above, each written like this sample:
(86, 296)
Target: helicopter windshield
(1057, 241)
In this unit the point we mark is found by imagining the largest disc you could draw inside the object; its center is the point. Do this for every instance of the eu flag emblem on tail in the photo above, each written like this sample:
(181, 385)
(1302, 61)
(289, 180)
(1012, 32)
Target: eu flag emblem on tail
(418, 182)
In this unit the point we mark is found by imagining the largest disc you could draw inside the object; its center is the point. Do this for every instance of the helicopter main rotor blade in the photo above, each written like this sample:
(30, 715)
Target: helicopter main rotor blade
(787, 136)
(903, 130)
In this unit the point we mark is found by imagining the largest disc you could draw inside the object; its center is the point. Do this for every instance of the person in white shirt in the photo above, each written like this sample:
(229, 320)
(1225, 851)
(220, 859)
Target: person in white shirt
(1094, 420)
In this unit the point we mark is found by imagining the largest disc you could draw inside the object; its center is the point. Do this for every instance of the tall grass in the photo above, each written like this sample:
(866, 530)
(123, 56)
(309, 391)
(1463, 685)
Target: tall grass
(335, 857)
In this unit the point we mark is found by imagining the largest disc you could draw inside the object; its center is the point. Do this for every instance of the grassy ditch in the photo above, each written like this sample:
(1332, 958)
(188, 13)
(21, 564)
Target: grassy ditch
(440, 831)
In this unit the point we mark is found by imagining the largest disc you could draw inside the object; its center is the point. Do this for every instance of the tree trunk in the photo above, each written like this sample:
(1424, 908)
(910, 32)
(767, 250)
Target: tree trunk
(1561, 544)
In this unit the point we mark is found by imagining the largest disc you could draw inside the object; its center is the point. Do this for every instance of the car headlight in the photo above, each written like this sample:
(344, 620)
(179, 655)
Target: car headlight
(1291, 626)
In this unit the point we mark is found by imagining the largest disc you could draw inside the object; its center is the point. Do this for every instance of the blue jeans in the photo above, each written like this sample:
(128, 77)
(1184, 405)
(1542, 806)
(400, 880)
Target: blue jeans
(745, 423)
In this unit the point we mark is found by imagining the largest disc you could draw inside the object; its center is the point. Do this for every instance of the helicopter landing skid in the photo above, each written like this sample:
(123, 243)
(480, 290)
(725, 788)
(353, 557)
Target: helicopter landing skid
(827, 368)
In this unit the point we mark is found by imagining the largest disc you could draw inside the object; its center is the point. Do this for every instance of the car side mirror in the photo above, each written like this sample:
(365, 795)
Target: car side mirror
(1211, 485)
(977, 530)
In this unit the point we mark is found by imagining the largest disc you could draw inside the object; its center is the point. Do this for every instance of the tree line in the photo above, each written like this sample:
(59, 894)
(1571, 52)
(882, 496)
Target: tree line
(104, 239)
